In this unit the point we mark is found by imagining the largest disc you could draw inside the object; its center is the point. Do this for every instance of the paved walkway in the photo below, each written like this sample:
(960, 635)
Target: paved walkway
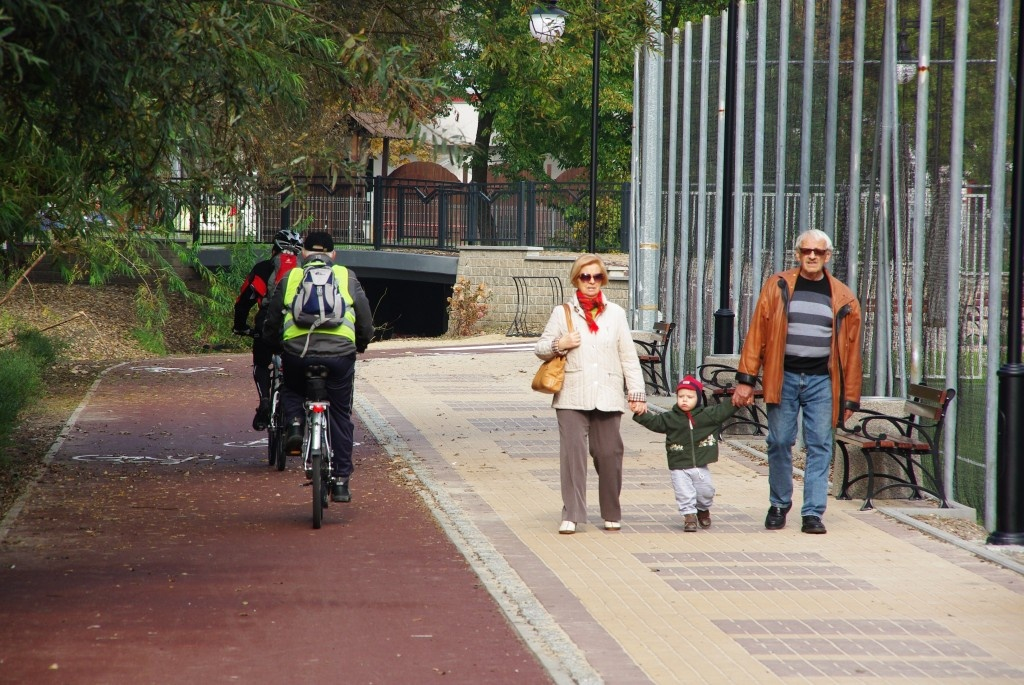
(873, 601)
(195, 563)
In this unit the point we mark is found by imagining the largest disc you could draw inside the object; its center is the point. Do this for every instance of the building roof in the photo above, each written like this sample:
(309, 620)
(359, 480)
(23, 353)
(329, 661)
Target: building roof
(376, 125)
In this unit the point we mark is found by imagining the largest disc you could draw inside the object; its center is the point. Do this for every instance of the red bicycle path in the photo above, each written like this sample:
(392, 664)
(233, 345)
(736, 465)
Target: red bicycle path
(159, 547)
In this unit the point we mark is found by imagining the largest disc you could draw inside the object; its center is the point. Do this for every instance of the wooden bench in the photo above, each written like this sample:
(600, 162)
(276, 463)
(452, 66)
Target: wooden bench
(652, 352)
(911, 441)
(719, 385)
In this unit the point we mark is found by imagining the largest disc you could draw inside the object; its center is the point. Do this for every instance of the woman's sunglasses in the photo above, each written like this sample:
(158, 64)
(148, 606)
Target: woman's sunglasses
(592, 278)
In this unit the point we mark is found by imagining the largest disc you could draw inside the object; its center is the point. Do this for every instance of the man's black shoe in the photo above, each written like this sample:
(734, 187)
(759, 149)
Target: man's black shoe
(813, 525)
(776, 519)
(262, 417)
(293, 440)
(339, 491)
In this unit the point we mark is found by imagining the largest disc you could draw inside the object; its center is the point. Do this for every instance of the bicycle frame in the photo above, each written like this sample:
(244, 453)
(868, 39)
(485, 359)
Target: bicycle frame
(317, 436)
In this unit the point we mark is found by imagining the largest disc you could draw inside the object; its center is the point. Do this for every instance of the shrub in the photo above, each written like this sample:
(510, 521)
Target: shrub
(44, 349)
(467, 306)
(20, 379)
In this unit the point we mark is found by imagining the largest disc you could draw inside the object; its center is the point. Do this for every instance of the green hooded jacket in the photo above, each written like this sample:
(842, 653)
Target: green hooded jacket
(688, 448)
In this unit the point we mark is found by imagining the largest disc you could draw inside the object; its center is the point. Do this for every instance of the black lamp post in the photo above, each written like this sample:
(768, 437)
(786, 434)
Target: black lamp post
(1009, 461)
(547, 24)
(725, 316)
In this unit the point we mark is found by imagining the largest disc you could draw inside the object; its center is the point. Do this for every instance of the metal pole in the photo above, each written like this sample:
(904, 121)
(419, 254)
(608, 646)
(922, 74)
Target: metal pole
(781, 128)
(856, 130)
(672, 195)
(807, 118)
(684, 316)
(832, 121)
(1010, 478)
(738, 223)
(594, 87)
(996, 244)
(924, 25)
(954, 232)
(702, 187)
(757, 222)
(725, 315)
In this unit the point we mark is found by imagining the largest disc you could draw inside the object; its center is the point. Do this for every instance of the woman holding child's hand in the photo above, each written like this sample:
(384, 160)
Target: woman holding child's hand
(600, 361)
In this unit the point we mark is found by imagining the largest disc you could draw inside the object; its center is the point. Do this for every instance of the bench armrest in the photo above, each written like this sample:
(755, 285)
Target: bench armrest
(904, 429)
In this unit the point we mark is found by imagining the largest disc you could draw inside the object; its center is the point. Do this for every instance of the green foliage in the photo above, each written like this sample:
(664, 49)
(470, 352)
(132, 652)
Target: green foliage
(42, 348)
(20, 379)
(217, 312)
(150, 106)
(151, 314)
(675, 13)
(577, 216)
(535, 98)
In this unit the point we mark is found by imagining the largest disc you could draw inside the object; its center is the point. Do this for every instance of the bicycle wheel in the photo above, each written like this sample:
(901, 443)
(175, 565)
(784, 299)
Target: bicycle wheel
(272, 444)
(280, 456)
(318, 491)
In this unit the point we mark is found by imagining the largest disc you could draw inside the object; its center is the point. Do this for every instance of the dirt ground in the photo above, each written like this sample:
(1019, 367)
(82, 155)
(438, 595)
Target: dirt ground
(96, 323)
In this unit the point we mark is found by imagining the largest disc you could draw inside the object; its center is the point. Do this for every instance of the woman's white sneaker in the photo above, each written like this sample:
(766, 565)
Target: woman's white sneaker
(567, 527)
(612, 525)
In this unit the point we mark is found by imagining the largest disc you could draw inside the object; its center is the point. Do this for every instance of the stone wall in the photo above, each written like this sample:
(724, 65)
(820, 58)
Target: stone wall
(496, 267)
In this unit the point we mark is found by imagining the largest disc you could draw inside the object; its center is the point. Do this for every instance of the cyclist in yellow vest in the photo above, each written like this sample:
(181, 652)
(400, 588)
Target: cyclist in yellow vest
(333, 347)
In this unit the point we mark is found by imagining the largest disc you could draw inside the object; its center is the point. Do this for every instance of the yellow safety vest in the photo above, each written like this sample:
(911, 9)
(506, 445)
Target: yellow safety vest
(347, 329)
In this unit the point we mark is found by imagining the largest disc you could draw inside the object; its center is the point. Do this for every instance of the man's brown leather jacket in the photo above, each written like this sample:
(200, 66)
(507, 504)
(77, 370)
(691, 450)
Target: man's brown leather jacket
(765, 344)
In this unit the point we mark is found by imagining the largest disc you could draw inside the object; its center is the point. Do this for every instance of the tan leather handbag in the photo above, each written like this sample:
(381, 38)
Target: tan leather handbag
(551, 374)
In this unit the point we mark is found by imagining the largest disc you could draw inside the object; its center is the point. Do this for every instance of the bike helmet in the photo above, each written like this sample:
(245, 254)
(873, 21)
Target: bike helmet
(288, 241)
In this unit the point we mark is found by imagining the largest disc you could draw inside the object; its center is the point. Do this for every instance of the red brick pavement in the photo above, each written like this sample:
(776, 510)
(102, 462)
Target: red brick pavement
(208, 570)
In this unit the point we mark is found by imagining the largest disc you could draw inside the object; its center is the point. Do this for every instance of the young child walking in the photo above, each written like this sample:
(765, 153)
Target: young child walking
(691, 444)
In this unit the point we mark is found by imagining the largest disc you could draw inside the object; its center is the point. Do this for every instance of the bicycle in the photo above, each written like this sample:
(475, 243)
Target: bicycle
(276, 455)
(316, 441)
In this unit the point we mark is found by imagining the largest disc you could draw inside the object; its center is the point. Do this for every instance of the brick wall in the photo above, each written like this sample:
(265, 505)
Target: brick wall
(496, 267)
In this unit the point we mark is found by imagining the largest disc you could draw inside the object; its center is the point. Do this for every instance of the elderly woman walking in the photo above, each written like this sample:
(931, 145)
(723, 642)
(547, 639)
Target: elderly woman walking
(602, 373)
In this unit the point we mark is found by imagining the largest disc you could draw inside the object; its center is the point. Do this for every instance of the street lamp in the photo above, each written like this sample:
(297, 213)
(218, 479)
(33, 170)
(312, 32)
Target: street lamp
(547, 24)
(724, 315)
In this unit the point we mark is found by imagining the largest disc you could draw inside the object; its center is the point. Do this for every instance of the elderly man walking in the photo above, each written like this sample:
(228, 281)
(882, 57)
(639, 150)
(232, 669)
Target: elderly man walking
(805, 334)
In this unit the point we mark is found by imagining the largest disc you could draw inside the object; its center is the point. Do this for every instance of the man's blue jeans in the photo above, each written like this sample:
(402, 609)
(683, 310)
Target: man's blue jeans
(813, 396)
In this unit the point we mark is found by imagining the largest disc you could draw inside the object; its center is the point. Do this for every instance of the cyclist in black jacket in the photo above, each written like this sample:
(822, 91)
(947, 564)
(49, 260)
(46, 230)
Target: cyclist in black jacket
(260, 283)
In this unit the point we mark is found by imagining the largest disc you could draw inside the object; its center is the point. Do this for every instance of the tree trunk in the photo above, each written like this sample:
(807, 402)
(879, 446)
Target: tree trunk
(479, 167)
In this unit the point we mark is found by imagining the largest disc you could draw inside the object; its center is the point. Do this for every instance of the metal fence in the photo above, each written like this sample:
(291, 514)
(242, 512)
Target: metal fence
(420, 214)
(833, 104)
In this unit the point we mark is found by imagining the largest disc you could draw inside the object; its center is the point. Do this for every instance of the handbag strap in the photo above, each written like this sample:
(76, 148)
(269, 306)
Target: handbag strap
(568, 318)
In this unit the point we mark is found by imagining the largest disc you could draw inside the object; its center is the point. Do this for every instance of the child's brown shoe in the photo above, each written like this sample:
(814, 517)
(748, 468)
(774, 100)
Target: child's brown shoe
(704, 518)
(689, 523)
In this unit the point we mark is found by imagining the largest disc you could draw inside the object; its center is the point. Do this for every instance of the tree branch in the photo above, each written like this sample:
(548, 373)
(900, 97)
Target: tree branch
(23, 276)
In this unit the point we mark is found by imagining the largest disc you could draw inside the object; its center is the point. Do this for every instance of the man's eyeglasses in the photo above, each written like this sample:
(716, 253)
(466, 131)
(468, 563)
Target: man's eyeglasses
(592, 278)
(807, 251)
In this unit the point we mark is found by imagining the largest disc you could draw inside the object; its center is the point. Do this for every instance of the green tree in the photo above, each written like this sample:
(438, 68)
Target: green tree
(534, 99)
(111, 103)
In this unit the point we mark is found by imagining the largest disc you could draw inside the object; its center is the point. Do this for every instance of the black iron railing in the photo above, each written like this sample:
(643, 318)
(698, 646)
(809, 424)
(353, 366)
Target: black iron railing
(385, 213)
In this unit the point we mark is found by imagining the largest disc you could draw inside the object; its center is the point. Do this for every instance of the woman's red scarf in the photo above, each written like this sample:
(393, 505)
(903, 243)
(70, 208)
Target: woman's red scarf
(592, 306)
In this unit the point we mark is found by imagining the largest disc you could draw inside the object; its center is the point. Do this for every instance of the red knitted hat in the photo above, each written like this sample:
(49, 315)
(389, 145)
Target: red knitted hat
(690, 383)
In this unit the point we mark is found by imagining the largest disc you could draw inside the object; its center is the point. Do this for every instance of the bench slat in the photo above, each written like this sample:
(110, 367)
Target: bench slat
(926, 392)
(925, 411)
